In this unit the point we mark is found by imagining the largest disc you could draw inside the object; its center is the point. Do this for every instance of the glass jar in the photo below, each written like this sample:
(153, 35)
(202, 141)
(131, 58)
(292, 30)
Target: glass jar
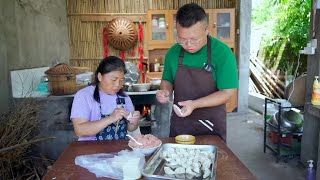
(162, 23)
(156, 65)
(155, 21)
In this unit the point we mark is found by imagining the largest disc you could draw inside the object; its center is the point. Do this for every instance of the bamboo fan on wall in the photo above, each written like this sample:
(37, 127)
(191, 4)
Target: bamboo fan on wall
(122, 33)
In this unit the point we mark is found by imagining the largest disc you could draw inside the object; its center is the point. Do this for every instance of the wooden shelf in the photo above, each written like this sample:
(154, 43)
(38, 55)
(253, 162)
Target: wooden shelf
(97, 58)
(219, 19)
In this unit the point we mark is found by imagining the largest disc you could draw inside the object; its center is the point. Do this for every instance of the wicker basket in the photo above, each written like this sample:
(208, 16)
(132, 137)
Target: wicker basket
(62, 80)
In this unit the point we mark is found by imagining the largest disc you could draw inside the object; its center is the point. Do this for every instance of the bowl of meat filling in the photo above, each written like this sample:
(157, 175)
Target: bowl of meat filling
(150, 143)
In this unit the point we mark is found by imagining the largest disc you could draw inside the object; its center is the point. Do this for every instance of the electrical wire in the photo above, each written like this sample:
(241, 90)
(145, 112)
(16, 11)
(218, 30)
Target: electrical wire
(294, 77)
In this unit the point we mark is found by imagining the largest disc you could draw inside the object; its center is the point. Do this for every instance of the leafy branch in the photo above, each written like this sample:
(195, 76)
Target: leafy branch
(290, 32)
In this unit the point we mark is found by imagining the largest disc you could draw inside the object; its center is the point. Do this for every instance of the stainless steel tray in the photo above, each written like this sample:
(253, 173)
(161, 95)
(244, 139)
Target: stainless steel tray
(154, 167)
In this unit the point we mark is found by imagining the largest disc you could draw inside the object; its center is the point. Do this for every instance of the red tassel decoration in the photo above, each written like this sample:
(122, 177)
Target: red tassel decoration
(140, 50)
(106, 52)
(140, 66)
(132, 53)
(105, 42)
(123, 55)
(140, 32)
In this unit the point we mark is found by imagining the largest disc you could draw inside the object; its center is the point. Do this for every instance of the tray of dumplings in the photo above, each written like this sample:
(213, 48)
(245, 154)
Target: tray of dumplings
(180, 161)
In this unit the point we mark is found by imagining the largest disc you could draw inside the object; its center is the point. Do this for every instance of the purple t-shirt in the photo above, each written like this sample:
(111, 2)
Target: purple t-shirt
(84, 106)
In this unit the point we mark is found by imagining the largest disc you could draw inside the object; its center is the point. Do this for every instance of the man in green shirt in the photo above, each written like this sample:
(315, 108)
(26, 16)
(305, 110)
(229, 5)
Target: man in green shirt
(202, 73)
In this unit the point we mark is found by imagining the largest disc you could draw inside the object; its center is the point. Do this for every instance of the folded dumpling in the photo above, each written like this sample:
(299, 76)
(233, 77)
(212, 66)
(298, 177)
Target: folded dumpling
(168, 170)
(180, 170)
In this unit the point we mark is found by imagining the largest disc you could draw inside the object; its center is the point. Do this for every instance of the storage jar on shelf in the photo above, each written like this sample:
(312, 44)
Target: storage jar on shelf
(162, 23)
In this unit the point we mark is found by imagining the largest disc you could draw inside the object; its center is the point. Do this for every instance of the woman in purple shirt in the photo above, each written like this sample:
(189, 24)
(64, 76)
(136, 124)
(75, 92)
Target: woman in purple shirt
(104, 111)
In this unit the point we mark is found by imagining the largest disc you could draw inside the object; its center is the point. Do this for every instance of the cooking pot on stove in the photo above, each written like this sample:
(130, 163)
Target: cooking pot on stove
(290, 121)
(141, 87)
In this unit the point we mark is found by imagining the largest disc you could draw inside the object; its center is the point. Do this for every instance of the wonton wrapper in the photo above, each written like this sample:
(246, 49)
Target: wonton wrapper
(177, 110)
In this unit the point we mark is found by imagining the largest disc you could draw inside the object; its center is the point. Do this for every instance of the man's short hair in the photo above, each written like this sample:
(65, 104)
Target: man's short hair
(190, 14)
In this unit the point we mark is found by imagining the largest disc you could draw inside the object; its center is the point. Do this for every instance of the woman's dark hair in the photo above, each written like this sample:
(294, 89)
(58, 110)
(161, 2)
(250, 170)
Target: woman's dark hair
(108, 64)
(190, 14)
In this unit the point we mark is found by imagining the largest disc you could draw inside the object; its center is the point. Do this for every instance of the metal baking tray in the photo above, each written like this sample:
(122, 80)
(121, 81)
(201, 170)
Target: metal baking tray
(153, 169)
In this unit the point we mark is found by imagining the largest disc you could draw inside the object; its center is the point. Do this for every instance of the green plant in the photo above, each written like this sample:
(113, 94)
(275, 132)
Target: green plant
(290, 33)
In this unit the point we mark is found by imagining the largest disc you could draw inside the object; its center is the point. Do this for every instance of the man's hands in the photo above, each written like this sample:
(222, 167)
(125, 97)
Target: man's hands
(186, 109)
(163, 96)
(187, 106)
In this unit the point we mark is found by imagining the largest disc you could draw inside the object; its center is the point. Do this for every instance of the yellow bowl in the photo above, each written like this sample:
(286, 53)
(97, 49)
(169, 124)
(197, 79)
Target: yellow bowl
(185, 139)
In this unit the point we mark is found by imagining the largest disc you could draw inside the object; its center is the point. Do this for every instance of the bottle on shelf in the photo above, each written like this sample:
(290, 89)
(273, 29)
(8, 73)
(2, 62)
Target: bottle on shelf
(156, 65)
(316, 92)
(162, 23)
(155, 22)
(311, 172)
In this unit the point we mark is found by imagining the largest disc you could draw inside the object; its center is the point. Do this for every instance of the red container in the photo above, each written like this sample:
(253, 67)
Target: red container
(285, 139)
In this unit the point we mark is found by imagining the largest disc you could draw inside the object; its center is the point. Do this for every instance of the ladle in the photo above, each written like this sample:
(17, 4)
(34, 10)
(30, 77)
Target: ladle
(139, 143)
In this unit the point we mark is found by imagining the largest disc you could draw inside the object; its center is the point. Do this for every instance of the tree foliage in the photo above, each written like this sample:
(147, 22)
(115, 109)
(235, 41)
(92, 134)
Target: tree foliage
(290, 32)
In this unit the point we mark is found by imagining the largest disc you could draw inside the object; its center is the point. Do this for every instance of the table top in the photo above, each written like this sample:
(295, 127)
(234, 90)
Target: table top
(153, 92)
(228, 167)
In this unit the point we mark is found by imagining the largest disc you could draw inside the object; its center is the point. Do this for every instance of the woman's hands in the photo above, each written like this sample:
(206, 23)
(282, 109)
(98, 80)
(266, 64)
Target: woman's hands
(118, 114)
(134, 117)
(134, 120)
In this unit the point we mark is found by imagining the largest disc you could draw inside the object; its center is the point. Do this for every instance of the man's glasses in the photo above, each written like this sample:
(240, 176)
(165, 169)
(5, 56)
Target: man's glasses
(191, 42)
(186, 42)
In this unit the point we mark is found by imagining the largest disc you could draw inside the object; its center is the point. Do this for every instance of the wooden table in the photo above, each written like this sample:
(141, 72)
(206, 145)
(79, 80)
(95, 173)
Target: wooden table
(229, 167)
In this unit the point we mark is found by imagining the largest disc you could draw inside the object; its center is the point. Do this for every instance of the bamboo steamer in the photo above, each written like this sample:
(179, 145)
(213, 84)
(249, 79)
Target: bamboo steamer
(62, 79)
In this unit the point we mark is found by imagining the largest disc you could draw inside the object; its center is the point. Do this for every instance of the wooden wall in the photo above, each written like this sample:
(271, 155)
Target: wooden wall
(86, 19)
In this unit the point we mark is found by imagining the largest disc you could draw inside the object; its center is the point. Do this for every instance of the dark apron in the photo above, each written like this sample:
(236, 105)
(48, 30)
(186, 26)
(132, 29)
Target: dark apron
(114, 131)
(194, 83)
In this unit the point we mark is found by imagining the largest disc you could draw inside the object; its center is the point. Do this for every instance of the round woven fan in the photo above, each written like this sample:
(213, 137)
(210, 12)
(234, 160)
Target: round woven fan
(122, 33)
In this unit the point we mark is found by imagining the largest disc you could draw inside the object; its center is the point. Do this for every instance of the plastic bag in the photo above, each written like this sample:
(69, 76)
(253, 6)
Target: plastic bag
(124, 165)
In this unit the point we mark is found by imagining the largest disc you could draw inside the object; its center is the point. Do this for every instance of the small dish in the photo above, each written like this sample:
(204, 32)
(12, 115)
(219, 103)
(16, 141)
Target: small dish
(185, 139)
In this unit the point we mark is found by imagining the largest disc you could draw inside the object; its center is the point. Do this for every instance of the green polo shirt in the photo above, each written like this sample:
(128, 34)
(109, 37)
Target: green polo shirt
(223, 60)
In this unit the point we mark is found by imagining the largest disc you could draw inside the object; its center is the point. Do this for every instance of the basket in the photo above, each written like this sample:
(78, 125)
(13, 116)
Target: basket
(122, 34)
(62, 80)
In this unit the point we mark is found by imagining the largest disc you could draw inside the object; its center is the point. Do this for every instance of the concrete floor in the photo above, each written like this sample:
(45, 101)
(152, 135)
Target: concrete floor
(245, 139)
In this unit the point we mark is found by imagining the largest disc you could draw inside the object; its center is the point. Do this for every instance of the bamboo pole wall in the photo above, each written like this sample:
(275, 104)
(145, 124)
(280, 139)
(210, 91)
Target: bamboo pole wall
(206, 4)
(85, 37)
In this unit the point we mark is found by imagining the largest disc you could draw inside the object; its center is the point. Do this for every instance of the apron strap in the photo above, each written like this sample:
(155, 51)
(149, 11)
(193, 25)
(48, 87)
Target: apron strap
(181, 56)
(209, 50)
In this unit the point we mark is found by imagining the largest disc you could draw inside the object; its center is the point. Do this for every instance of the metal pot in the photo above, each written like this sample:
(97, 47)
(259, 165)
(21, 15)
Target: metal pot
(290, 121)
(155, 83)
(141, 87)
(127, 86)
